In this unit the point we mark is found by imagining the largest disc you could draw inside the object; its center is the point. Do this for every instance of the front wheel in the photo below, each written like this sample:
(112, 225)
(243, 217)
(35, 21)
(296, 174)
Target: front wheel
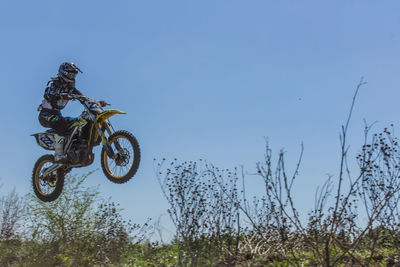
(124, 165)
(47, 188)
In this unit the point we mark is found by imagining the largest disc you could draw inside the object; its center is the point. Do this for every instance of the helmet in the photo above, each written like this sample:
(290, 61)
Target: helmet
(68, 71)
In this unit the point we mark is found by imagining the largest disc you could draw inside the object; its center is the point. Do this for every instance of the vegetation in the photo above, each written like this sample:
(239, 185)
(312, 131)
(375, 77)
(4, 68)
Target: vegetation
(78, 229)
(355, 220)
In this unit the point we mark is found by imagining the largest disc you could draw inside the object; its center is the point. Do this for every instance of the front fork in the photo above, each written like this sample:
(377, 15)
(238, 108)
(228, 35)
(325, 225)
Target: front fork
(104, 140)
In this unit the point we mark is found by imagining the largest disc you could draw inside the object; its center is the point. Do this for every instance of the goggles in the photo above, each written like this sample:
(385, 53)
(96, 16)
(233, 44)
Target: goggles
(71, 75)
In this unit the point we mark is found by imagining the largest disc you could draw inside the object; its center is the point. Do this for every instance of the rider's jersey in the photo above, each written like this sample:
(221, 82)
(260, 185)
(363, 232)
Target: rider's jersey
(53, 94)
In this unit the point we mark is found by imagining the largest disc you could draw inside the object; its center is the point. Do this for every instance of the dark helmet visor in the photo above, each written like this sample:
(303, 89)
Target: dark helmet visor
(71, 75)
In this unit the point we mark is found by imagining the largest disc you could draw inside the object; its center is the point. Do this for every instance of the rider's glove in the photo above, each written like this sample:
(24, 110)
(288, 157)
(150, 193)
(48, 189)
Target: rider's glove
(103, 103)
(66, 97)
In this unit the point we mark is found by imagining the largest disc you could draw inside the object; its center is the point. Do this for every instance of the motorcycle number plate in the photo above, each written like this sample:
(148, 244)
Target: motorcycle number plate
(46, 141)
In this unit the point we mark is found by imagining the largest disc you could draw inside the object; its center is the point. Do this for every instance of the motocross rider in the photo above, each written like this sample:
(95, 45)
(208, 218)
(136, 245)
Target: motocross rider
(56, 97)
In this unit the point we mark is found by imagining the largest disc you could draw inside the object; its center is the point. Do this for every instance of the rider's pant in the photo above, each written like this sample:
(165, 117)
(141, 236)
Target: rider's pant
(53, 119)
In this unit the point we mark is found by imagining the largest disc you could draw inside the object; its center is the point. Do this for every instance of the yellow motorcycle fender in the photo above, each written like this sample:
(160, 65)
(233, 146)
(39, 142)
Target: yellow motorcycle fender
(107, 114)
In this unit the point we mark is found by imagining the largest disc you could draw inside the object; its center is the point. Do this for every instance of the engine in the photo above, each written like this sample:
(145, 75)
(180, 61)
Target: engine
(80, 154)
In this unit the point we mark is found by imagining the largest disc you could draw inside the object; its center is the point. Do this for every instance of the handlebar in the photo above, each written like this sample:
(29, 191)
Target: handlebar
(82, 98)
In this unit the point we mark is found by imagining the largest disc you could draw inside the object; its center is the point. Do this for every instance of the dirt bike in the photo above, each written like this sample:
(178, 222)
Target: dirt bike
(120, 154)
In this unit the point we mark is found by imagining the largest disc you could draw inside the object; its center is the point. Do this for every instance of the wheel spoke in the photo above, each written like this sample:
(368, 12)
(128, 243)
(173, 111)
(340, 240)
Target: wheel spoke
(44, 187)
(47, 188)
(120, 167)
(124, 165)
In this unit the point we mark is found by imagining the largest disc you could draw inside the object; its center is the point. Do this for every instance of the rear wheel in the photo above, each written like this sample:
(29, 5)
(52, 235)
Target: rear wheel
(47, 188)
(127, 157)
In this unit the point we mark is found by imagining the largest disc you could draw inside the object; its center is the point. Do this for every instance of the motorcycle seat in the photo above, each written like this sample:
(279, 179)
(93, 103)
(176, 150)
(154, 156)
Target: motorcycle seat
(52, 131)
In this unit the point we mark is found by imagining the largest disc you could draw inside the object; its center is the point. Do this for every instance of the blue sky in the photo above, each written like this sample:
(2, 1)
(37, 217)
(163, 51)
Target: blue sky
(203, 79)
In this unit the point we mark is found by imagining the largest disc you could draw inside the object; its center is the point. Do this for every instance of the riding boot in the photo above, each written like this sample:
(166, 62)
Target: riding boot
(59, 154)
